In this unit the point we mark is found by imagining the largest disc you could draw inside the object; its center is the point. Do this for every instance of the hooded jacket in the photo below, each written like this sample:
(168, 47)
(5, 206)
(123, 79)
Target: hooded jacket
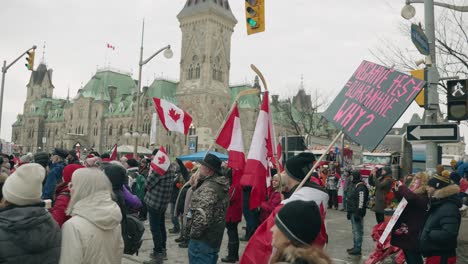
(93, 234)
(439, 235)
(357, 197)
(208, 210)
(28, 235)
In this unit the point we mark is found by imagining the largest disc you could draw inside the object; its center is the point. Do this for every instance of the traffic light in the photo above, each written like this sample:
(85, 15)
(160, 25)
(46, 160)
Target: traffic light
(255, 16)
(30, 60)
(457, 100)
(420, 74)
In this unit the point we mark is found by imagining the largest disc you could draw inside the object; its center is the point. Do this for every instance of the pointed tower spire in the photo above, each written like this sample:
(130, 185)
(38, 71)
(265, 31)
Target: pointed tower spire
(256, 83)
(302, 83)
(43, 53)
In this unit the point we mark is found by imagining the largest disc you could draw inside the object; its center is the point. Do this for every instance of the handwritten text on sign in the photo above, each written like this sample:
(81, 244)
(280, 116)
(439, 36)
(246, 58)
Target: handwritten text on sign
(396, 215)
(371, 102)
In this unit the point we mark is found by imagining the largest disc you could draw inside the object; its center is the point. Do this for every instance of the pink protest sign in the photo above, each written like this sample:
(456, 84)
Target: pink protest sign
(371, 102)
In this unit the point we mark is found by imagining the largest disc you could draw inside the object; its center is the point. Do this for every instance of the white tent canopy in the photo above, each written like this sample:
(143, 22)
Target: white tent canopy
(129, 149)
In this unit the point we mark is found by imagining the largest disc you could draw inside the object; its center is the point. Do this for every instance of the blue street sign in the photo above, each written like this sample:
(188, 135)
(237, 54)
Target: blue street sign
(419, 39)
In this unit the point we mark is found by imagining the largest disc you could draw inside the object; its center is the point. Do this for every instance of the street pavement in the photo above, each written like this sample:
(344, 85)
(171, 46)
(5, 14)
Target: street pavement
(339, 232)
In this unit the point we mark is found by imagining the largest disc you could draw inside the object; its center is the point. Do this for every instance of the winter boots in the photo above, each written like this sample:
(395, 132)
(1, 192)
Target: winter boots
(233, 253)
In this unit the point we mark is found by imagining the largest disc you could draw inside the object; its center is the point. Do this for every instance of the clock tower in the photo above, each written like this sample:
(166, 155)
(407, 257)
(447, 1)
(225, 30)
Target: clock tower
(203, 90)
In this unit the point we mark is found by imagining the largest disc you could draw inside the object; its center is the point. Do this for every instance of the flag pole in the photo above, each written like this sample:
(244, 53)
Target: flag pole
(319, 160)
(239, 95)
(273, 148)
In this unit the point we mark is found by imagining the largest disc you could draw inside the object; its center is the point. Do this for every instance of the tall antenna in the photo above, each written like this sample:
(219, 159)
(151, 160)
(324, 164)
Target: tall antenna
(302, 82)
(68, 94)
(43, 53)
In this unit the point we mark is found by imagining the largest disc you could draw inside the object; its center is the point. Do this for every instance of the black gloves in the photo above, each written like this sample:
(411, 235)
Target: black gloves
(348, 216)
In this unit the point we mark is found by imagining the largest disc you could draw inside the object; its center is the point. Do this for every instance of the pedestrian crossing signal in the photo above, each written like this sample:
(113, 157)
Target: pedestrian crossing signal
(255, 16)
(457, 100)
(30, 60)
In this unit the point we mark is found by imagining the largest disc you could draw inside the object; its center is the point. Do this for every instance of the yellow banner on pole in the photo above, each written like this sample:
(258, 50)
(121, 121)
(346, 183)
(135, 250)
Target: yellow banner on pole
(419, 74)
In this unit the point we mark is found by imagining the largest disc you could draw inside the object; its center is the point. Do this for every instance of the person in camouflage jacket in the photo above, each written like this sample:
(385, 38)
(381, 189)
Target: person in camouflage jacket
(206, 217)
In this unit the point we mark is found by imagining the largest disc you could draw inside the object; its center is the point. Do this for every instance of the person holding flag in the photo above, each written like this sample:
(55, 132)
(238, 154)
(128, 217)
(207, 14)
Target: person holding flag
(230, 138)
(259, 248)
(207, 213)
(157, 197)
(257, 171)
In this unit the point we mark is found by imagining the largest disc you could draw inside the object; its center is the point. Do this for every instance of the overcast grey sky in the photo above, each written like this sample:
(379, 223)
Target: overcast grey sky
(323, 40)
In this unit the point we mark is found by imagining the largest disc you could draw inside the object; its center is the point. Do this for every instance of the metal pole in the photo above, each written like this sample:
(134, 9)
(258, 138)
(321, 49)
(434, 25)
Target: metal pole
(4, 70)
(137, 118)
(432, 83)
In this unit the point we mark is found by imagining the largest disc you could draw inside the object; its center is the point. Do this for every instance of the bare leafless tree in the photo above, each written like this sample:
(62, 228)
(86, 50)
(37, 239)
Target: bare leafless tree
(451, 48)
(299, 115)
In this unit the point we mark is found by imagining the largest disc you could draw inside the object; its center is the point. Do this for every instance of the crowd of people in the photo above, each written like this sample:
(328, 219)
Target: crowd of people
(56, 208)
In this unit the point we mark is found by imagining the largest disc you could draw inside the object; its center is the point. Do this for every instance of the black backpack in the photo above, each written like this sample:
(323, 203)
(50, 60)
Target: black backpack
(132, 231)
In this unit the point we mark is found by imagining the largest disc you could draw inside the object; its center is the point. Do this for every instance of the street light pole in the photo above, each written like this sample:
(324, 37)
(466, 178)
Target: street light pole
(432, 83)
(137, 118)
(432, 104)
(168, 54)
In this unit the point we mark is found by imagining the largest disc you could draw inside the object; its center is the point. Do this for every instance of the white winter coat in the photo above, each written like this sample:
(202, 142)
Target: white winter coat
(93, 234)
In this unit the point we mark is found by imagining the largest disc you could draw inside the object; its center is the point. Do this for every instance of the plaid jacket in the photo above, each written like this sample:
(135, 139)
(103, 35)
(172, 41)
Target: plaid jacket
(159, 188)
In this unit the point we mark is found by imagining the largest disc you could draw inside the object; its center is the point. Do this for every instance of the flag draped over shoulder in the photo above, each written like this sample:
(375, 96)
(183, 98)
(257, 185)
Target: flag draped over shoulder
(160, 162)
(172, 117)
(257, 167)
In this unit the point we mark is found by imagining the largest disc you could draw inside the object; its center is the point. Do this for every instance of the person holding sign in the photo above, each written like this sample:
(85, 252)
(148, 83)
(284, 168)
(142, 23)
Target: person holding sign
(439, 235)
(358, 196)
(383, 184)
(406, 232)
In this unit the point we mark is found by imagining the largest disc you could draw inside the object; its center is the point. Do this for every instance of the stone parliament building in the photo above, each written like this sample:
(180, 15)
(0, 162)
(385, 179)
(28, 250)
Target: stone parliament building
(103, 110)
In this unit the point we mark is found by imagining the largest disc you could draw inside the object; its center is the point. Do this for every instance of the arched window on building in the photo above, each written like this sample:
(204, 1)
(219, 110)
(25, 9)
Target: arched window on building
(120, 132)
(197, 71)
(190, 72)
(110, 130)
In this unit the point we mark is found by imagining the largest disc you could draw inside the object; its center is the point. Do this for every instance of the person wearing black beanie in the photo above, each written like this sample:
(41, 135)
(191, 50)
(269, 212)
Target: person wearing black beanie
(297, 224)
(260, 244)
(357, 197)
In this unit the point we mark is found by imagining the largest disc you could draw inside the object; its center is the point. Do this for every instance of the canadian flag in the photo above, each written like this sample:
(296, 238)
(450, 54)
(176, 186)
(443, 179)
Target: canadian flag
(257, 170)
(161, 161)
(113, 155)
(279, 151)
(109, 46)
(230, 138)
(172, 117)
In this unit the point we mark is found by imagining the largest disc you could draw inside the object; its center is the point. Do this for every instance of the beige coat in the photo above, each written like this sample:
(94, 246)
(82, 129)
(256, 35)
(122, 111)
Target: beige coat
(93, 234)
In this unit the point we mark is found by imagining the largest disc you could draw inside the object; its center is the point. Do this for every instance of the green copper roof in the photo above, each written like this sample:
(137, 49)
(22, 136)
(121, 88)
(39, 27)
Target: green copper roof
(54, 112)
(123, 105)
(163, 89)
(246, 101)
(98, 86)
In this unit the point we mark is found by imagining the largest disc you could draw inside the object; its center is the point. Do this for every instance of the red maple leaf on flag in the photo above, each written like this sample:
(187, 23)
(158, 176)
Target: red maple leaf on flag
(174, 115)
(161, 160)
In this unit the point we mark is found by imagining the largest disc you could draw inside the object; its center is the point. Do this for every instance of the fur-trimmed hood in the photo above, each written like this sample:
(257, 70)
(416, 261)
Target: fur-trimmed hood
(310, 255)
(448, 194)
(446, 191)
